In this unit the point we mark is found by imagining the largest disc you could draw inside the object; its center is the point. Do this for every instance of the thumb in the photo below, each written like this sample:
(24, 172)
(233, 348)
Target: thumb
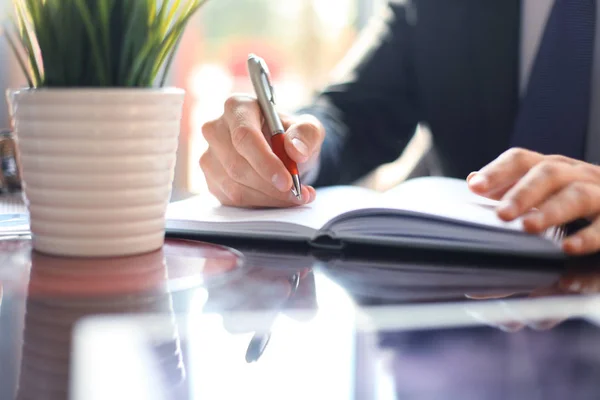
(303, 138)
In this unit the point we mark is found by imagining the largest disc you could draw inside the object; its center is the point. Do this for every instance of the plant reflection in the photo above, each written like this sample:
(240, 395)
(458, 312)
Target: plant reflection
(62, 291)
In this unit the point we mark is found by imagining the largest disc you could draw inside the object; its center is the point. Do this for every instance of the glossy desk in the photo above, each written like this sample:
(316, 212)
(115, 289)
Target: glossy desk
(269, 322)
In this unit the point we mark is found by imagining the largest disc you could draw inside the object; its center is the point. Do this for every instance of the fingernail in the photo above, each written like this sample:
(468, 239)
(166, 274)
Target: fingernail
(470, 176)
(478, 181)
(280, 183)
(535, 218)
(508, 208)
(300, 146)
(575, 243)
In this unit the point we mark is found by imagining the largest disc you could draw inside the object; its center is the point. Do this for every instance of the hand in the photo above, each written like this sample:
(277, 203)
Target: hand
(241, 169)
(546, 191)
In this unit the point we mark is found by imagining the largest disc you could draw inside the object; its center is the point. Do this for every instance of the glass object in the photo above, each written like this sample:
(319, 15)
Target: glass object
(10, 177)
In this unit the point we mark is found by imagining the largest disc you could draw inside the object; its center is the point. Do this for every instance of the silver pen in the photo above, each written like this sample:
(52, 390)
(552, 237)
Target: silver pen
(259, 75)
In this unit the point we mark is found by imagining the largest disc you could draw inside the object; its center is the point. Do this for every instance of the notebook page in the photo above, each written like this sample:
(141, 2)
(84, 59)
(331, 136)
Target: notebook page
(446, 197)
(330, 202)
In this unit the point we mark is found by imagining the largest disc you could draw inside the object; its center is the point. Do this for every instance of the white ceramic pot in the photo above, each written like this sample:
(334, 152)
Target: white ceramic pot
(97, 167)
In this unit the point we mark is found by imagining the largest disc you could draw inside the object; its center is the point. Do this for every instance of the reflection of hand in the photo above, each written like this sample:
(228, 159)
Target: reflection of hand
(572, 282)
(265, 292)
(546, 191)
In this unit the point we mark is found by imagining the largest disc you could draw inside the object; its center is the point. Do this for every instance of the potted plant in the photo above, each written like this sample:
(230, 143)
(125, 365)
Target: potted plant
(96, 129)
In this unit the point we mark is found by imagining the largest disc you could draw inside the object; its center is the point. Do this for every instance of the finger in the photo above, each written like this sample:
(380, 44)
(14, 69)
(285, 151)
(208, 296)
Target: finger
(543, 180)
(311, 192)
(212, 181)
(508, 323)
(216, 191)
(582, 284)
(577, 200)
(587, 240)
(304, 138)
(489, 296)
(245, 175)
(243, 117)
(503, 172)
(545, 325)
(546, 291)
(244, 196)
(218, 138)
(511, 326)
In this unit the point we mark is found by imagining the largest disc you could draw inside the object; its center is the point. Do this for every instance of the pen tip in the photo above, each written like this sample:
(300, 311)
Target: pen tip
(297, 188)
(296, 193)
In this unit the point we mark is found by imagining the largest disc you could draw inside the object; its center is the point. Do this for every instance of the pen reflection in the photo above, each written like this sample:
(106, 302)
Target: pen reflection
(266, 293)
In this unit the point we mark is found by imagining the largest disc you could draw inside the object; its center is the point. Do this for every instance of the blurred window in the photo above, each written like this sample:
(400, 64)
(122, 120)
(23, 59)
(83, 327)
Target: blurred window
(301, 41)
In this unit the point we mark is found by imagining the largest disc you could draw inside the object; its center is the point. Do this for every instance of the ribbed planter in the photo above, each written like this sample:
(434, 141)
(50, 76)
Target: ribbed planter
(97, 167)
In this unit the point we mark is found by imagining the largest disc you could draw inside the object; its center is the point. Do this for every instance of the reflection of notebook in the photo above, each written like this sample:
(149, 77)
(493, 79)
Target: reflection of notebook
(425, 212)
(398, 282)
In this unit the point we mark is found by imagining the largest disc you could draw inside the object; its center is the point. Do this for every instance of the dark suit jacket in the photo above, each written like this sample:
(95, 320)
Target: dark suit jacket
(450, 64)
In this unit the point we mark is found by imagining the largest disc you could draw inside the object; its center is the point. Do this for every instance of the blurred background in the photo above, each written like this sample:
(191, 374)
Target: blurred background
(301, 41)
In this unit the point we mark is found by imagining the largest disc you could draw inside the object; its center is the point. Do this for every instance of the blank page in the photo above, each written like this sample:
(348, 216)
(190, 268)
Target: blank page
(329, 203)
(449, 198)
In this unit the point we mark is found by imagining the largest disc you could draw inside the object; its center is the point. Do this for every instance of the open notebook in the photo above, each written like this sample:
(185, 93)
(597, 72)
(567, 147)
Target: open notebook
(427, 212)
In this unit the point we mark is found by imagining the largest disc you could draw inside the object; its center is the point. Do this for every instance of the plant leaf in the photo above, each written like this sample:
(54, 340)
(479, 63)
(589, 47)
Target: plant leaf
(22, 64)
(29, 48)
(82, 43)
(88, 22)
(105, 8)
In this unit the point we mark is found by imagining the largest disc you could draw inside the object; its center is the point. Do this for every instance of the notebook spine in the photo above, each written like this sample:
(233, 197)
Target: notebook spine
(326, 241)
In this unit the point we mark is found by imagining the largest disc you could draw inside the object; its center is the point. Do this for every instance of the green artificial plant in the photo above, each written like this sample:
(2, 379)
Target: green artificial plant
(98, 43)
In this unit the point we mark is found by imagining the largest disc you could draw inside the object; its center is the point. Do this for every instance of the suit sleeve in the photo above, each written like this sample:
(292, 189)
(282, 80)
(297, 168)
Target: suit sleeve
(370, 111)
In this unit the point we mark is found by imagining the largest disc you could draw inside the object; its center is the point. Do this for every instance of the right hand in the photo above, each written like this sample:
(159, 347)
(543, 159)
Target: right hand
(240, 168)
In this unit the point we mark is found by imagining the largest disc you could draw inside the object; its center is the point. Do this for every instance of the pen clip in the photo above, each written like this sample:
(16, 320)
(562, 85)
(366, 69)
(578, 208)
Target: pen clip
(265, 76)
(265, 93)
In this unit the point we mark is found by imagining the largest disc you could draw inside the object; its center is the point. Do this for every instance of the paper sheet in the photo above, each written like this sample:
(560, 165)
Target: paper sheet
(330, 202)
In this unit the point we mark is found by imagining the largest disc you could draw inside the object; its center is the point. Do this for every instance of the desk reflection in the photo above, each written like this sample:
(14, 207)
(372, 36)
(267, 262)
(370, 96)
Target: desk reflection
(266, 292)
(385, 282)
(59, 292)
(581, 278)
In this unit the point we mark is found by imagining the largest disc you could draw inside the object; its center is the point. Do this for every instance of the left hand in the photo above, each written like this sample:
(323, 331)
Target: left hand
(546, 191)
